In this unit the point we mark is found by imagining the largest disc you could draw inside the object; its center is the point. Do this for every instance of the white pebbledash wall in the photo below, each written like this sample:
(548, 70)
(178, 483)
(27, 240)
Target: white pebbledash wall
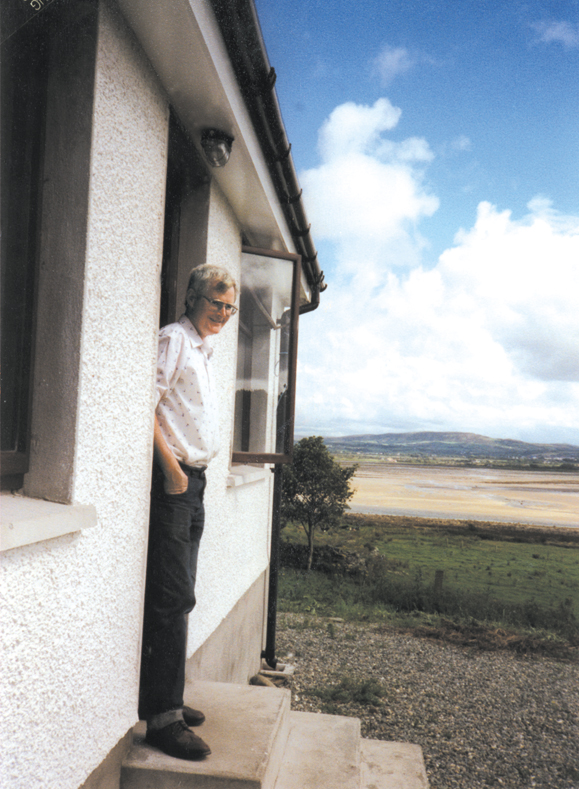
(72, 607)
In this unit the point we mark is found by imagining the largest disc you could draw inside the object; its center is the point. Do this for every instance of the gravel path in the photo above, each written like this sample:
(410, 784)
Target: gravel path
(483, 719)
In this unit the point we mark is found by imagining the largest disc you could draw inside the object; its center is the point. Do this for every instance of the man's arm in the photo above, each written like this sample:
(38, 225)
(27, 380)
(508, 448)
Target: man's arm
(176, 481)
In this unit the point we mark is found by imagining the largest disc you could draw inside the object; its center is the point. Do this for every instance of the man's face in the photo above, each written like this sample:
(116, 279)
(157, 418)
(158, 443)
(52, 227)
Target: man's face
(206, 316)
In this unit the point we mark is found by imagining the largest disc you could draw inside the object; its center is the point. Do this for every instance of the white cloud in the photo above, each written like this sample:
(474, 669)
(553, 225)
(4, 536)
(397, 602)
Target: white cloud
(391, 62)
(356, 128)
(461, 143)
(526, 274)
(368, 193)
(487, 340)
(413, 149)
(565, 33)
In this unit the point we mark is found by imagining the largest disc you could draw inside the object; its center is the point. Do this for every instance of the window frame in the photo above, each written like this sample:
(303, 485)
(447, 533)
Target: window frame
(288, 439)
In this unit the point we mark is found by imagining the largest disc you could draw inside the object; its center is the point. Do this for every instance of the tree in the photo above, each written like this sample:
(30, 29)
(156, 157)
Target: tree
(315, 489)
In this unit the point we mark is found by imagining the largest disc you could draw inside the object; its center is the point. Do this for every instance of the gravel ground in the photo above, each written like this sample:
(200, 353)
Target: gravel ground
(483, 719)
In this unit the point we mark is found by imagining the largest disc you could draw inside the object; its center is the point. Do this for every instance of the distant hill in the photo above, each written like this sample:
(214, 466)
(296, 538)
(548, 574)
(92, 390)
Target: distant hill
(455, 445)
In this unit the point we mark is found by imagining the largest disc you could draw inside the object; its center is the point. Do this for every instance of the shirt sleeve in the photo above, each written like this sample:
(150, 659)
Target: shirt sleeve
(169, 362)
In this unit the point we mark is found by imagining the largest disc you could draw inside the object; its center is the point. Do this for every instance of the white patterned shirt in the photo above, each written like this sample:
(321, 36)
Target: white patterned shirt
(186, 402)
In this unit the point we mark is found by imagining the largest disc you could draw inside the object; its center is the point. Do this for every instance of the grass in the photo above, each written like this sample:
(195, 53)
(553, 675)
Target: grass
(526, 581)
(471, 558)
(463, 622)
(511, 464)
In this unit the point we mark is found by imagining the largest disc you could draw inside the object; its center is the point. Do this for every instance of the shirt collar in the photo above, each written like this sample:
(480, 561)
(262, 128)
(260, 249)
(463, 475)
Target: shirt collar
(193, 335)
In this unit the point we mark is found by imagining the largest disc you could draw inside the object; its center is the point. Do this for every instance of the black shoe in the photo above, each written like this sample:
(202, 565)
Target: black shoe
(193, 717)
(179, 741)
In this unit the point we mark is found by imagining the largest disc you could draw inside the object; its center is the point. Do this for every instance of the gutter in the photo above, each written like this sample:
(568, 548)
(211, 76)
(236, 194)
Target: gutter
(241, 31)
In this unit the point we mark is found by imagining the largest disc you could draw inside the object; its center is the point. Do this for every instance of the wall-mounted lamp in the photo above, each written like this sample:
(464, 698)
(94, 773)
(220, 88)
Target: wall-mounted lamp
(216, 146)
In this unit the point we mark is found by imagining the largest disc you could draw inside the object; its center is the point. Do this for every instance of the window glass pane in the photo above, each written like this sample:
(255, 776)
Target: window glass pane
(23, 89)
(263, 400)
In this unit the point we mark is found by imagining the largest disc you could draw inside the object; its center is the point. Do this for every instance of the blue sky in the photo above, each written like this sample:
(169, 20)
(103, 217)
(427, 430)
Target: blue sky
(437, 145)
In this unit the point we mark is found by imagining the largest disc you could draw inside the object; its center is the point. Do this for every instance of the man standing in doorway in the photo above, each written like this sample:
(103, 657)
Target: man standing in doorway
(186, 439)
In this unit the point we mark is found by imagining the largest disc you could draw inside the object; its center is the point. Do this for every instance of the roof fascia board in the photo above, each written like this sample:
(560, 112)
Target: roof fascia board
(183, 42)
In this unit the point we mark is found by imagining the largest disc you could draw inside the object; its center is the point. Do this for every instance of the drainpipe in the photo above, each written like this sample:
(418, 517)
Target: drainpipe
(314, 303)
(269, 652)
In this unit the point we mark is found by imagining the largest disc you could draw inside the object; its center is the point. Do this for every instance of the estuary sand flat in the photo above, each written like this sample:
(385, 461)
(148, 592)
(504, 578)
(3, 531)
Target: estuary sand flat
(532, 497)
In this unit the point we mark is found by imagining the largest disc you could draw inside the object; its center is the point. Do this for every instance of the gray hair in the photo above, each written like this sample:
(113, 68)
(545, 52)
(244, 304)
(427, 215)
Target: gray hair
(204, 277)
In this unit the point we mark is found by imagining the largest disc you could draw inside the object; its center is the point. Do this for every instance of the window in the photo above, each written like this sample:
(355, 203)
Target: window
(48, 67)
(266, 357)
(24, 83)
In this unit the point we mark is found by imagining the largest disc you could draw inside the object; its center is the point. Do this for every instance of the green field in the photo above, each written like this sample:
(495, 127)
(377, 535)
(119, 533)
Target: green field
(486, 567)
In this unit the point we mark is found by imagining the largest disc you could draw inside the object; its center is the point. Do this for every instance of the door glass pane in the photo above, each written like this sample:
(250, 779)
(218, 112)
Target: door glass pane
(262, 403)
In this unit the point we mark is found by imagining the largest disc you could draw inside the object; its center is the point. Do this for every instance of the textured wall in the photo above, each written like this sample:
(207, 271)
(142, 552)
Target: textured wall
(234, 550)
(72, 605)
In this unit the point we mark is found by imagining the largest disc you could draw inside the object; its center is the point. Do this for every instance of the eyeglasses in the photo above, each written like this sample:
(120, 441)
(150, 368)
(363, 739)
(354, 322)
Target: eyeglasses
(220, 305)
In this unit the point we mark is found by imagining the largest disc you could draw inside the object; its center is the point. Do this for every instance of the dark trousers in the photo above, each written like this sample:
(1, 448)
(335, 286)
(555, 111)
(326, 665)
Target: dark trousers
(175, 531)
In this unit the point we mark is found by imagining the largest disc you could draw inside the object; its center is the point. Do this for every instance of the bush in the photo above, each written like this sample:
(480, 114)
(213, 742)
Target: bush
(315, 490)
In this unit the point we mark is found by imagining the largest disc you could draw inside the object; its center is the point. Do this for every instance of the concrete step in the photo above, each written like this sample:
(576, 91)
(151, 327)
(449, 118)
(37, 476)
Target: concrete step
(246, 729)
(392, 765)
(322, 752)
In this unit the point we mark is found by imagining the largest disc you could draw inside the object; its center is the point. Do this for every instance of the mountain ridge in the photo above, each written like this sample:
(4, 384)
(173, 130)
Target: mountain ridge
(452, 444)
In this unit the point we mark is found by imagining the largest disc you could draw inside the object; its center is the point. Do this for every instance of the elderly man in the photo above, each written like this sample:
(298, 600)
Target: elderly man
(186, 439)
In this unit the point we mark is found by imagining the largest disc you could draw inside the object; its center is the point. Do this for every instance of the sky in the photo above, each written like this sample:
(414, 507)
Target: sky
(437, 147)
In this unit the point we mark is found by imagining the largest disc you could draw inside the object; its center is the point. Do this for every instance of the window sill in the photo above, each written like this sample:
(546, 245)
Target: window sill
(242, 475)
(25, 521)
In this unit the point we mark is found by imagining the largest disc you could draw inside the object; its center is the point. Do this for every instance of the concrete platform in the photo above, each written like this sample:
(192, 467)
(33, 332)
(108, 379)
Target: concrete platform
(257, 743)
(322, 752)
(246, 729)
(392, 765)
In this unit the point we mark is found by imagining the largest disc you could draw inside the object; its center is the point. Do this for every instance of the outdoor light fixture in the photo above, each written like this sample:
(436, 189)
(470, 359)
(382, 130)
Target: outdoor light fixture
(216, 146)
